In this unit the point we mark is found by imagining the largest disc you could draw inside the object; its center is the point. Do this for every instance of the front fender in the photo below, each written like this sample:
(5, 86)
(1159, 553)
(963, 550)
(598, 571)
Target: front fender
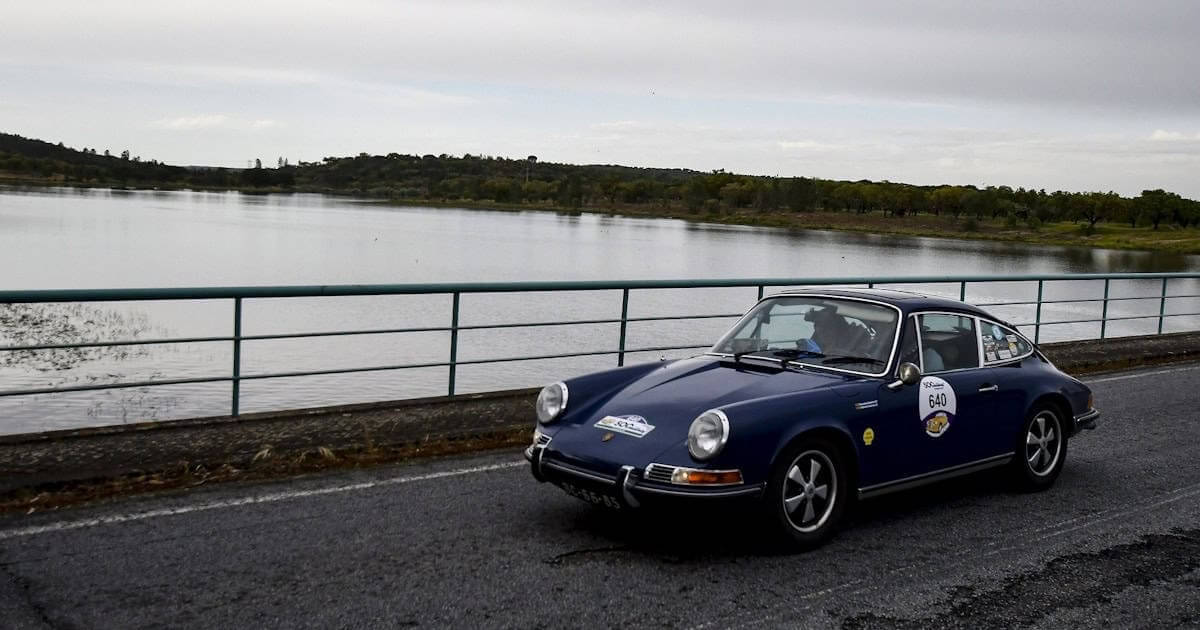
(760, 429)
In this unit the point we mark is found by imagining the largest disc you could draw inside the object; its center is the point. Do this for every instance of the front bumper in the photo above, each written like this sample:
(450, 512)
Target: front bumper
(1087, 420)
(628, 488)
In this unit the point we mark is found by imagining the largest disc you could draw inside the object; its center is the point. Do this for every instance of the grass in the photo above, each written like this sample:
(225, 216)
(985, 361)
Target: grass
(1167, 238)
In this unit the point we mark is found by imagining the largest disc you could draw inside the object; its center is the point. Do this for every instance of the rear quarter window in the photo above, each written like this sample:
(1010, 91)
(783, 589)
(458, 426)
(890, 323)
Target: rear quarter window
(1001, 343)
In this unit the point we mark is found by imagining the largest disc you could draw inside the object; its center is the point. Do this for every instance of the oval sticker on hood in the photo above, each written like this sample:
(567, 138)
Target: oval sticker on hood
(632, 425)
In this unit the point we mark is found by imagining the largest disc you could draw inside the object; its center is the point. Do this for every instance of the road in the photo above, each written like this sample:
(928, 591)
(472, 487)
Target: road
(476, 542)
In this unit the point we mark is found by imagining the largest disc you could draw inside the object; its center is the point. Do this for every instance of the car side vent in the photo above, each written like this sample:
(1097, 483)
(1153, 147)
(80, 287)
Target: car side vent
(542, 439)
(659, 473)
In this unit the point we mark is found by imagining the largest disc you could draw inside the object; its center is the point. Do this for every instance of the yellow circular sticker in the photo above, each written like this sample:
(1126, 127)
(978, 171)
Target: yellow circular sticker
(868, 436)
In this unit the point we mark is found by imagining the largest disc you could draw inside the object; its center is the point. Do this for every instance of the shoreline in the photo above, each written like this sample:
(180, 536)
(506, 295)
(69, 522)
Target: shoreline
(1110, 235)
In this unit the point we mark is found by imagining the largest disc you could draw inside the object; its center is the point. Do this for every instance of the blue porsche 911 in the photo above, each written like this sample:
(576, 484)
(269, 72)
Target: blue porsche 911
(813, 399)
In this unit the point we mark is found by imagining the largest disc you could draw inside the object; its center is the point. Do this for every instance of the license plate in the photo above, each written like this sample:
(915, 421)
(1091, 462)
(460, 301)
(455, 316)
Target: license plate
(595, 498)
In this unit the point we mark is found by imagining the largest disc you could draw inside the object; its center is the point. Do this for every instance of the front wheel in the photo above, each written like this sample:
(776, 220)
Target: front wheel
(807, 493)
(1041, 449)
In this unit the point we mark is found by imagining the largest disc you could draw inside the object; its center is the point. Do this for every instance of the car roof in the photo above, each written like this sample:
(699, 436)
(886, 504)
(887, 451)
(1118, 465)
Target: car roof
(906, 301)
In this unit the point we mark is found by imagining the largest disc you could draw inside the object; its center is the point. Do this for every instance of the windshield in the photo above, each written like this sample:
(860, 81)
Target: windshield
(824, 331)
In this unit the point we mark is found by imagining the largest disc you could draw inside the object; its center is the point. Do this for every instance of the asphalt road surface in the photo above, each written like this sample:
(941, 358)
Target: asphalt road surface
(470, 542)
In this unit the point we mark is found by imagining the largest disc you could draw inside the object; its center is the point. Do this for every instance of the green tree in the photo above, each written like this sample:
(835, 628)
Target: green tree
(1155, 205)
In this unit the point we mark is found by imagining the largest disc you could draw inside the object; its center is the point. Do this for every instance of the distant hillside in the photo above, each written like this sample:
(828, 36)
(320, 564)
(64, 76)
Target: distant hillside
(27, 157)
(483, 180)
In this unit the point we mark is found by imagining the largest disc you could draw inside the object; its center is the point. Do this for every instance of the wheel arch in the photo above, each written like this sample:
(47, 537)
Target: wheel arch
(837, 435)
(1060, 404)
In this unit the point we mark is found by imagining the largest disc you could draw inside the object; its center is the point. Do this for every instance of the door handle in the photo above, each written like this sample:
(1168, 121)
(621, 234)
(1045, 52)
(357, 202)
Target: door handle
(989, 388)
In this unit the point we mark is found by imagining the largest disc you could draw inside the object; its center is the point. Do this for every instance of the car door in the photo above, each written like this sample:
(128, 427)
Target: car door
(942, 421)
(1004, 352)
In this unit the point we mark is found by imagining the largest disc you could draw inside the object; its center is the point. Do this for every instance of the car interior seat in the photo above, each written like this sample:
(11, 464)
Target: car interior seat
(933, 361)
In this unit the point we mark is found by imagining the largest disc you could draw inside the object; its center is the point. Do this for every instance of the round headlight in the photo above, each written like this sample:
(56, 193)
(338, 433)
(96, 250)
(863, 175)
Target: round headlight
(551, 402)
(708, 434)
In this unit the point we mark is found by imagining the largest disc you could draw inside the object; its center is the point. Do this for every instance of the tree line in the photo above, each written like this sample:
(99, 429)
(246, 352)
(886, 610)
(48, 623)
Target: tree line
(478, 179)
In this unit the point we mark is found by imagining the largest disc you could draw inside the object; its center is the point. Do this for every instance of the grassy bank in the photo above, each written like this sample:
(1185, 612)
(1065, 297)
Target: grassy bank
(1105, 235)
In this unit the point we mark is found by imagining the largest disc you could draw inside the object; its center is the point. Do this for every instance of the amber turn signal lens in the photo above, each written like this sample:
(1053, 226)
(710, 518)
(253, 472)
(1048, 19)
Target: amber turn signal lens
(706, 477)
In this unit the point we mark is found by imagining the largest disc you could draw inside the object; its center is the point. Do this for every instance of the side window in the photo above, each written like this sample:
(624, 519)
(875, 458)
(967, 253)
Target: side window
(948, 342)
(1000, 343)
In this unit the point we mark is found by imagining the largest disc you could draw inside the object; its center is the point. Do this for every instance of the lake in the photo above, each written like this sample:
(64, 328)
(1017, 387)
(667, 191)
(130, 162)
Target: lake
(99, 238)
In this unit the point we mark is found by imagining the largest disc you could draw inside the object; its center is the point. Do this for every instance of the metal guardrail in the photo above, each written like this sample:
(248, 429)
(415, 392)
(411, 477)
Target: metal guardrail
(456, 290)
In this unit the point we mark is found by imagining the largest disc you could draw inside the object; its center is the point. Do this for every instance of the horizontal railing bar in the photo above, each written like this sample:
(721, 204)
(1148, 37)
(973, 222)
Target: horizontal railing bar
(109, 344)
(373, 368)
(1081, 300)
(1111, 319)
(407, 366)
(251, 292)
(343, 333)
(577, 354)
(388, 331)
(679, 317)
(338, 333)
(99, 386)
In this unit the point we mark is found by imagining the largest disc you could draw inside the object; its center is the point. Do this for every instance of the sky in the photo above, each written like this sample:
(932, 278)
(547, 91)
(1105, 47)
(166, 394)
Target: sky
(1072, 95)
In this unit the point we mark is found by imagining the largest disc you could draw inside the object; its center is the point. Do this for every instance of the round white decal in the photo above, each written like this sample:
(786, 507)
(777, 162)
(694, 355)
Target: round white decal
(937, 405)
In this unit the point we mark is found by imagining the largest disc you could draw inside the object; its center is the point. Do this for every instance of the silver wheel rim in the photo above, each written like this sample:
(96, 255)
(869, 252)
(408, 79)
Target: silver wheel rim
(809, 491)
(1043, 443)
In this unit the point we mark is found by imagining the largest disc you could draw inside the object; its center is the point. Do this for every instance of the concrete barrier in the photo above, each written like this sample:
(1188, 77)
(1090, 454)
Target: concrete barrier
(185, 452)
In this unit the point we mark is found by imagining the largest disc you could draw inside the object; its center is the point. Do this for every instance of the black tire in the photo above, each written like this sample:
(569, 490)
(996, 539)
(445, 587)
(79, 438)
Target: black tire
(1041, 448)
(812, 518)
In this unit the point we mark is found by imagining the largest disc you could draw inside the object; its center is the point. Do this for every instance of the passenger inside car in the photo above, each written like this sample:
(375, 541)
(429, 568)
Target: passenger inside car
(948, 342)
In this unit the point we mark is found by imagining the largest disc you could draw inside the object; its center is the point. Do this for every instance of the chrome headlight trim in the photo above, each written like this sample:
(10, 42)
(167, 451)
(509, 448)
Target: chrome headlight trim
(717, 419)
(551, 402)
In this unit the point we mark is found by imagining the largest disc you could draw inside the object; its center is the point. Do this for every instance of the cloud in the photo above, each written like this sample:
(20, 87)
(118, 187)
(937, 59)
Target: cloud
(805, 145)
(1116, 57)
(202, 121)
(1162, 134)
(213, 121)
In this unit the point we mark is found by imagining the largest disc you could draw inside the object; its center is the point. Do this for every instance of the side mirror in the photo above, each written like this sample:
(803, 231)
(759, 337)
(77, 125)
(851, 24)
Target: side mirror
(908, 373)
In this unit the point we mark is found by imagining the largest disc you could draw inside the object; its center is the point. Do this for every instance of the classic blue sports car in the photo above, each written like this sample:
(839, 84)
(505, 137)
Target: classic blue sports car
(813, 399)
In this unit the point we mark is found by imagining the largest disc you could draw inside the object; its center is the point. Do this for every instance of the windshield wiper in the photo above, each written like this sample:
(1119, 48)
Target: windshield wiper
(785, 355)
(835, 360)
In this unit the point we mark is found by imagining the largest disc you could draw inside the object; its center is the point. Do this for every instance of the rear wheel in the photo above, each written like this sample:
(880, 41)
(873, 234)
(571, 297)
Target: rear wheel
(807, 493)
(1041, 448)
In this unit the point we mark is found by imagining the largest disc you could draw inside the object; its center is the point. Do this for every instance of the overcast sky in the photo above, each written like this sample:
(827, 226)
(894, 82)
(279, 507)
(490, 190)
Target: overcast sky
(1081, 95)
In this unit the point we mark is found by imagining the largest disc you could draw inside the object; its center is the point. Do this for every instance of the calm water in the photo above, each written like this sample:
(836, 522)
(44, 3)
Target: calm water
(69, 238)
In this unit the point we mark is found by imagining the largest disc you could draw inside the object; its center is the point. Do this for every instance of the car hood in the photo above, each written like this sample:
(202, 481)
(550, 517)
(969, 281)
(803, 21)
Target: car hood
(669, 399)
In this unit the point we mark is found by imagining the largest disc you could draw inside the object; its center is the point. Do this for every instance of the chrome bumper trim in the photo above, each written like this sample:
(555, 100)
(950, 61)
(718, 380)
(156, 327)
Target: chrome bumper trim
(1087, 420)
(571, 470)
(705, 492)
(627, 485)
